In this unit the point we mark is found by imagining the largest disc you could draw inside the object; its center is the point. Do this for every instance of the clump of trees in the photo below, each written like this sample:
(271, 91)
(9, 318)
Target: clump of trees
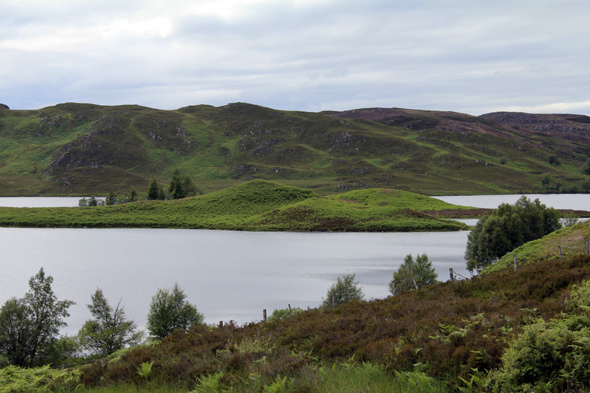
(507, 228)
(29, 327)
(343, 291)
(413, 274)
(180, 187)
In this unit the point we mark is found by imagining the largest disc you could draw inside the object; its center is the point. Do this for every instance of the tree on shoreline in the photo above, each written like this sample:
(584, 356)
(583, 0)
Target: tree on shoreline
(413, 274)
(508, 227)
(110, 331)
(343, 291)
(30, 326)
(169, 311)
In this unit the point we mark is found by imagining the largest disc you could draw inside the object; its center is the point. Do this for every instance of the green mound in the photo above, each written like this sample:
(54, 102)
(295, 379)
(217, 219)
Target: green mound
(571, 240)
(255, 206)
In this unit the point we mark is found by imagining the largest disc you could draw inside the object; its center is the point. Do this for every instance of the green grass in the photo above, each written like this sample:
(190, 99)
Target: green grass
(256, 206)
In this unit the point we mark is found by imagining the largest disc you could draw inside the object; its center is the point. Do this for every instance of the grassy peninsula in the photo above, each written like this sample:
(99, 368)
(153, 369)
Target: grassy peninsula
(255, 206)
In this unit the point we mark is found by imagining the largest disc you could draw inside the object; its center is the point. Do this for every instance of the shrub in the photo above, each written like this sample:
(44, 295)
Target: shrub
(283, 313)
(549, 355)
(345, 290)
(169, 311)
(553, 160)
(412, 274)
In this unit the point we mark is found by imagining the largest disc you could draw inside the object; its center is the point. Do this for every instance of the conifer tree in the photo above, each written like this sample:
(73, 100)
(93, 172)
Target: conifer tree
(176, 190)
(153, 190)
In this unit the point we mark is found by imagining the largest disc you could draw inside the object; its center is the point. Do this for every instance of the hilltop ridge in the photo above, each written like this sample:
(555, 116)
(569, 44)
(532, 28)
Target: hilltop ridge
(83, 149)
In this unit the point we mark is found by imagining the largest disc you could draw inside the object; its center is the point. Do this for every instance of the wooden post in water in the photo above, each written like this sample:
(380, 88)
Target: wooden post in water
(587, 246)
(264, 315)
(515, 262)
(452, 275)
(560, 256)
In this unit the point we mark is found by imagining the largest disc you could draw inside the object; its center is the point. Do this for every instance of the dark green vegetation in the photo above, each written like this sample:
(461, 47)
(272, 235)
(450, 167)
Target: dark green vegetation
(255, 205)
(508, 227)
(84, 149)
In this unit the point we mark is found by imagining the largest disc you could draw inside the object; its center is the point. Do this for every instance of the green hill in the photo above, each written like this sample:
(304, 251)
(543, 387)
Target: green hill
(85, 149)
(255, 205)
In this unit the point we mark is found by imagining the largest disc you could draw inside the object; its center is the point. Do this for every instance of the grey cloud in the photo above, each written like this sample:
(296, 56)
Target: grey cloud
(455, 55)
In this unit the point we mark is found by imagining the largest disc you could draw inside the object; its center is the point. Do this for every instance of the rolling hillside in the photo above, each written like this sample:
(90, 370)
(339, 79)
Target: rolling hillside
(84, 149)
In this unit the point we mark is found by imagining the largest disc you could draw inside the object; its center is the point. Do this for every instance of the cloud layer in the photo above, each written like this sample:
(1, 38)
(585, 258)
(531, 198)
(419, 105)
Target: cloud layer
(465, 56)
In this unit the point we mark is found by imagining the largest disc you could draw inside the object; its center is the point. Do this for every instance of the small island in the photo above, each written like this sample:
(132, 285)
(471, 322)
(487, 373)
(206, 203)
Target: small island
(257, 205)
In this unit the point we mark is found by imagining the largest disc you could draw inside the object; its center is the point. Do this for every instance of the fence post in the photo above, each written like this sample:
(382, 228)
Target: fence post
(515, 262)
(264, 315)
(452, 275)
(587, 247)
(560, 256)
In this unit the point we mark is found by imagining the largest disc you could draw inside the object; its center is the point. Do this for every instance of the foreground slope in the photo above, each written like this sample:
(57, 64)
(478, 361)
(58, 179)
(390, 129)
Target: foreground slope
(452, 331)
(86, 149)
(256, 205)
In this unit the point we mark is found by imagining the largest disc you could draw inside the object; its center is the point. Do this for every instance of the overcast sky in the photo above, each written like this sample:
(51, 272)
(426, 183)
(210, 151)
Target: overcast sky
(471, 56)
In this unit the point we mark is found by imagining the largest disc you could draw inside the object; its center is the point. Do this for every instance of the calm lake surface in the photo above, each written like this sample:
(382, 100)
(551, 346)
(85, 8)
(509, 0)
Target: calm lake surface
(228, 275)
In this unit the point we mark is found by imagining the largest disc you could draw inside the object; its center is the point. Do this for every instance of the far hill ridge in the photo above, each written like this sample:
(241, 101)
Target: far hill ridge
(86, 149)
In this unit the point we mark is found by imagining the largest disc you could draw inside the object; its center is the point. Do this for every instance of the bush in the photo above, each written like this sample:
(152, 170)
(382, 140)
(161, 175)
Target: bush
(412, 274)
(549, 356)
(284, 313)
(345, 290)
(553, 160)
(169, 311)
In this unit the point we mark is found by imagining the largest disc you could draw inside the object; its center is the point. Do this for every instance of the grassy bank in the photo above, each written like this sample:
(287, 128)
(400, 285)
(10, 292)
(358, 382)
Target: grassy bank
(571, 240)
(254, 206)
